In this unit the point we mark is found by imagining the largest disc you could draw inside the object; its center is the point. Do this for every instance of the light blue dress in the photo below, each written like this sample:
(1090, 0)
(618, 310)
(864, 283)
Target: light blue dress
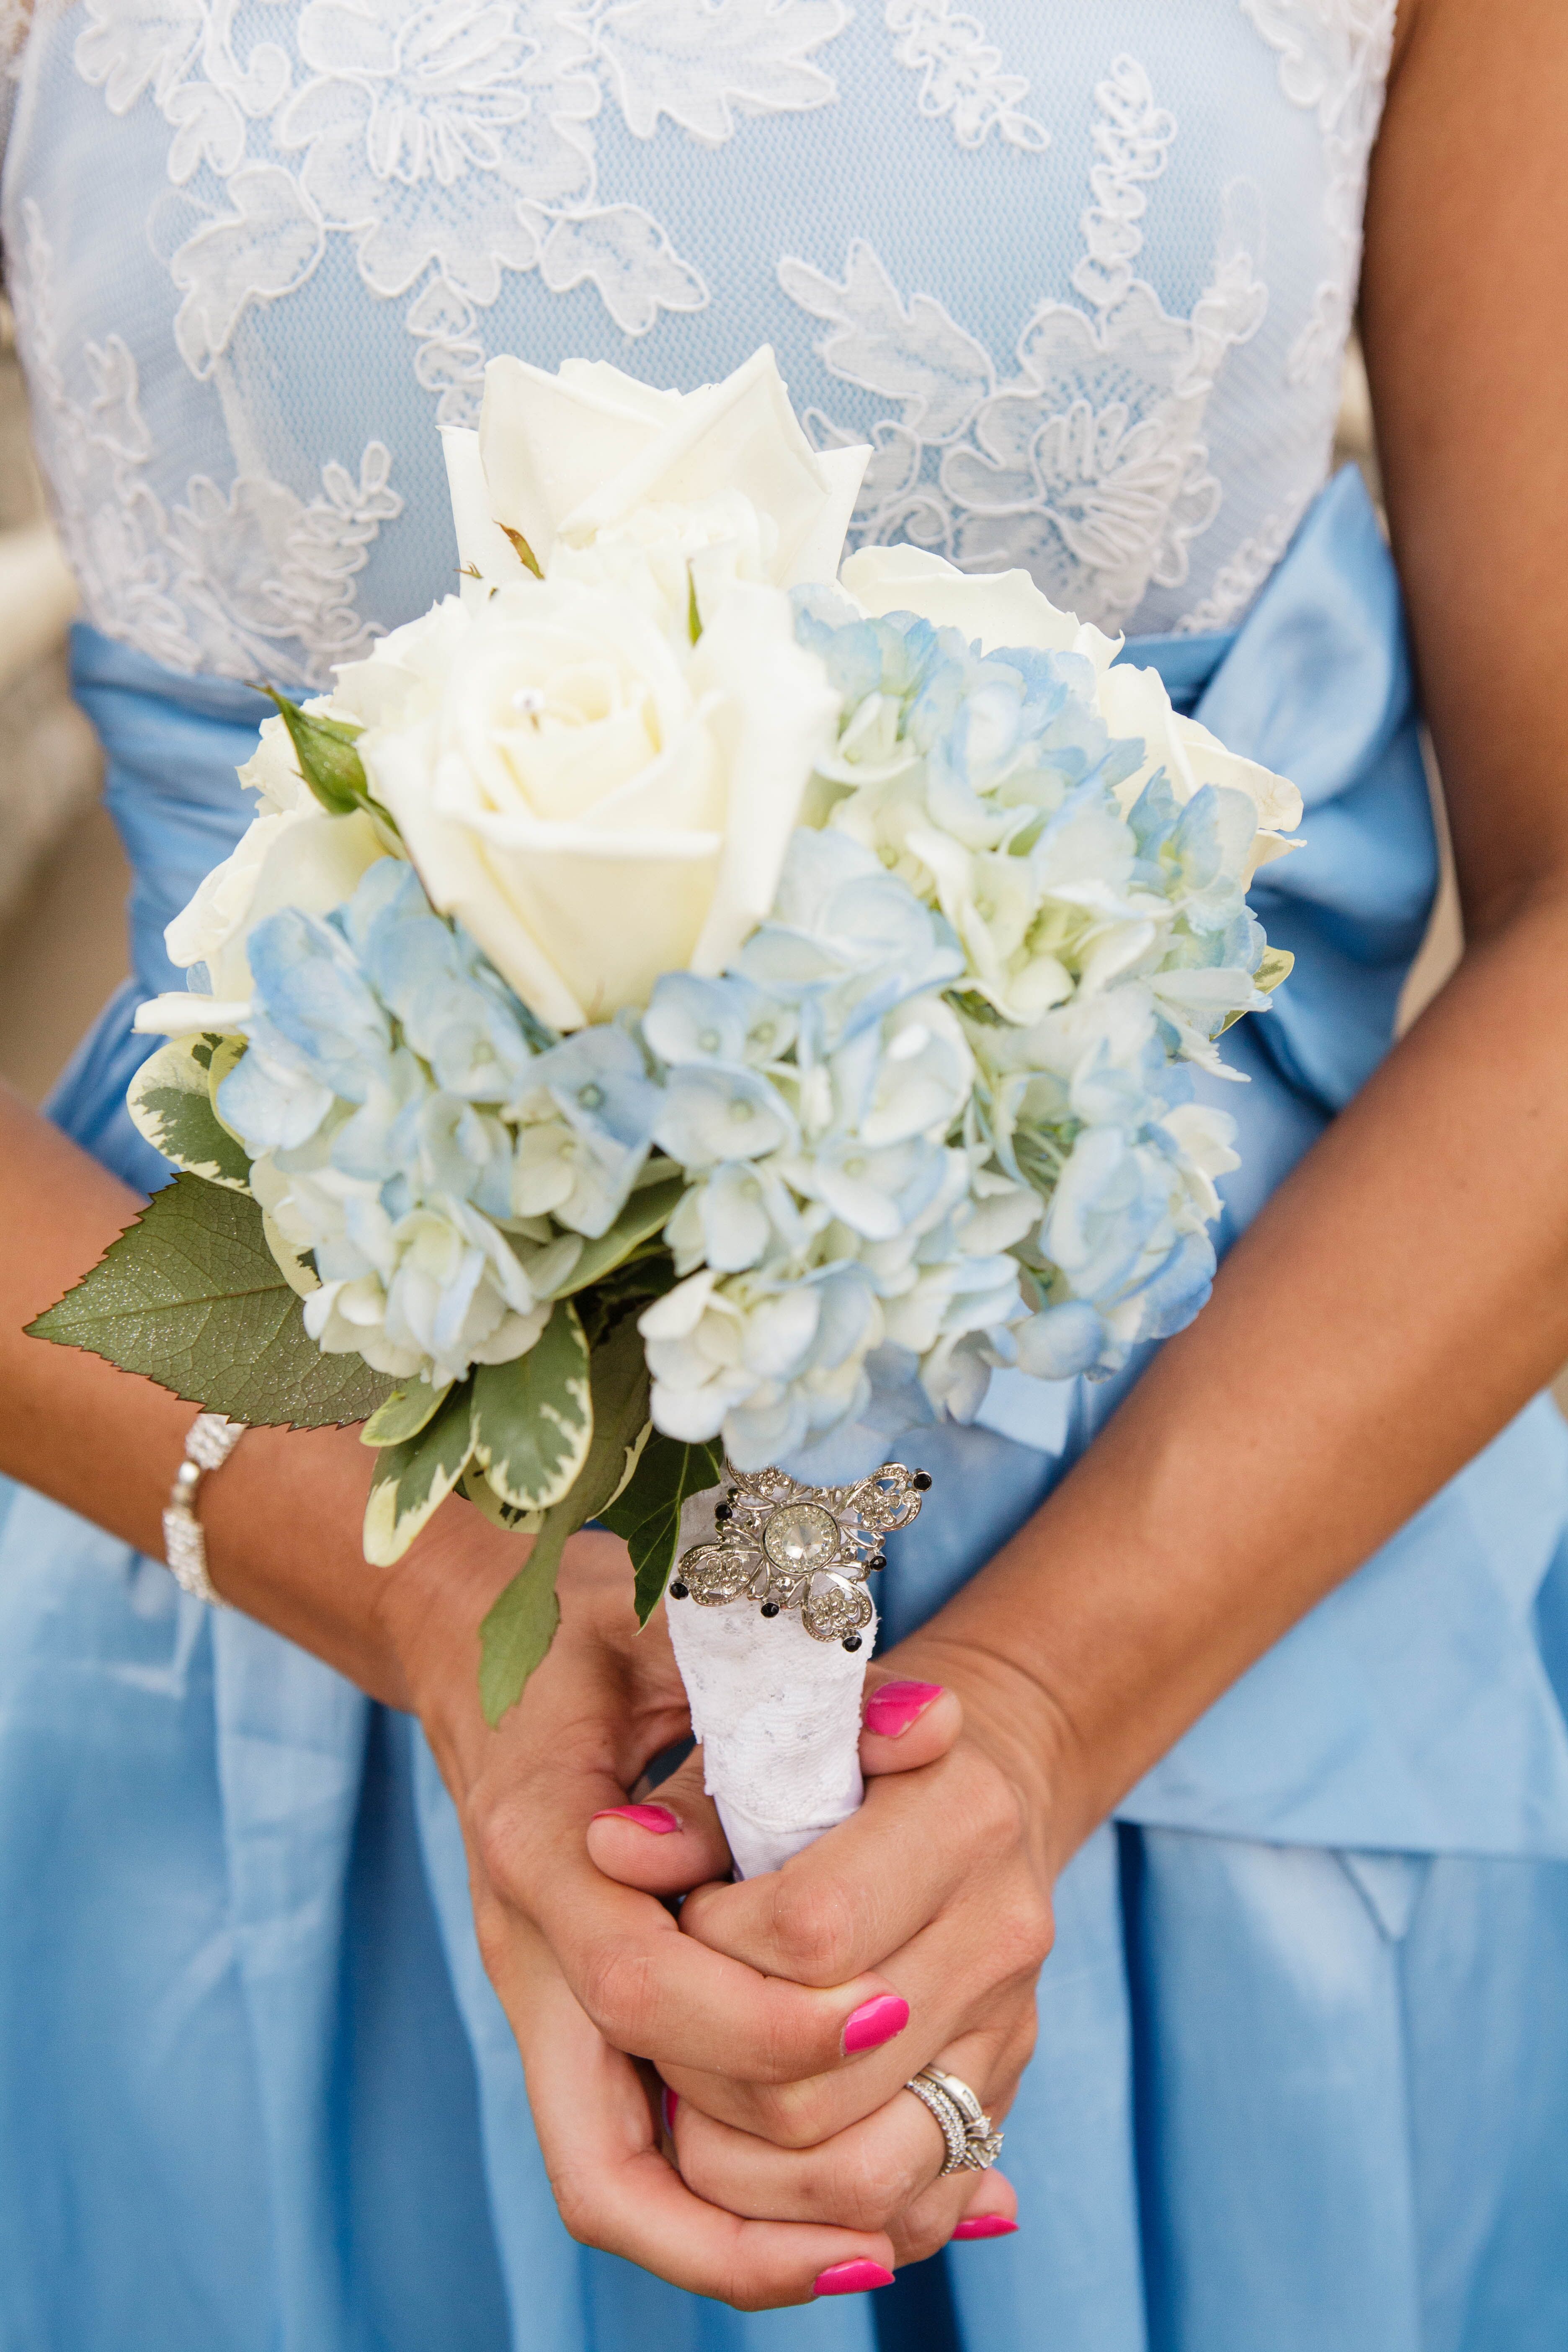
(1302, 2079)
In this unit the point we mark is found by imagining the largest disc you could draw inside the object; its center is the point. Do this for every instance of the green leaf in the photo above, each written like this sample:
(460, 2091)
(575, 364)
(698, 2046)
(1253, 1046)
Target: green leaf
(645, 1214)
(521, 1625)
(693, 616)
(525, 553)
(406, 1411)
(327, 761)
(533, 1421)
(412, 1481)
(169, 1102)
(647, 1515)
(191, 1296)
(476, 1488)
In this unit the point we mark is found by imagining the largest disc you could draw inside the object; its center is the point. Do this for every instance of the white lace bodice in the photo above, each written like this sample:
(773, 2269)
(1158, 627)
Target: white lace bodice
(1081, 270)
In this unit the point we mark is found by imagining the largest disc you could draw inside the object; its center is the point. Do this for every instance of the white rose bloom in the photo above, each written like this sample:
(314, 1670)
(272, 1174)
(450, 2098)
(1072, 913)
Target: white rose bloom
(560, 461)
(595, 804)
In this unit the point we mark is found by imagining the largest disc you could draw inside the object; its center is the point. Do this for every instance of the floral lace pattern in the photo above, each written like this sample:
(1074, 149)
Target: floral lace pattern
(1333, 60)
(231, 582)
(1065, 372)
(1087, 468)
(962, 75)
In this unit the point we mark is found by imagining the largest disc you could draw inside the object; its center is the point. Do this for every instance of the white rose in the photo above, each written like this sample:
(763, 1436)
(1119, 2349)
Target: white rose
(561, 460)
(596, 803)
(1005, 608)
(289, 857)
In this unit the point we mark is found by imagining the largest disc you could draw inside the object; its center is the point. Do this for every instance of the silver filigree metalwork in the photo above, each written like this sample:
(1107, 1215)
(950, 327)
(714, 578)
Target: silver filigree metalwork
(786, 1546)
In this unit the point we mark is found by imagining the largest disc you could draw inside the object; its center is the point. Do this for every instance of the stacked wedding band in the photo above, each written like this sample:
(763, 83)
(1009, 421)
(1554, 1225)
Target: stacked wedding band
(972, 2145)
(209, 1441)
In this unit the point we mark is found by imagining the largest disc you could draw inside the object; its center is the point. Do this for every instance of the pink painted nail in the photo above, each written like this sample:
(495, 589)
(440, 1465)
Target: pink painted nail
(873, 2022)
(893, 1707)
(987, 2225)
(852, 2278)
(668, 2101)
(656, 1818)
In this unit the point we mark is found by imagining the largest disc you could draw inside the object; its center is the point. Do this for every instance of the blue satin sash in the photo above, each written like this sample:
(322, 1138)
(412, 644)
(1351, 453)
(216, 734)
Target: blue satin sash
(1410, 1710)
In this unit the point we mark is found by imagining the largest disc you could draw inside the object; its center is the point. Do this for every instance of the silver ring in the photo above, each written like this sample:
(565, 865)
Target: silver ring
(972, 2145)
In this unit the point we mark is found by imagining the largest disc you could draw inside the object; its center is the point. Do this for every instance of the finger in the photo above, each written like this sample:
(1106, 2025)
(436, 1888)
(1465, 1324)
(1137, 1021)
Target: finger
(864, 1890)
(796, 2117)
(651, 1992)
(668, 1842)
(907, 1724)
(868, 2176)
(991, 2212)
(617, 2192)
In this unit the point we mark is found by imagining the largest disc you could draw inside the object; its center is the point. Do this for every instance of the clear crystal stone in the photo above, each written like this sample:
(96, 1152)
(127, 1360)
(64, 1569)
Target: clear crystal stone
(801, 1536)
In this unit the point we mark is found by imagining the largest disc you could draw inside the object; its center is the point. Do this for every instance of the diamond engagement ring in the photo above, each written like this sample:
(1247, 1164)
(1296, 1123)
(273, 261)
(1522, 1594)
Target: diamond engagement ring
(965, 2127)
(786, 1546)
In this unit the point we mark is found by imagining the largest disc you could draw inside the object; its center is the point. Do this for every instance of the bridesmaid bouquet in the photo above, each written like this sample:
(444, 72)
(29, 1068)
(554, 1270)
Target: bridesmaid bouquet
(674, 1004)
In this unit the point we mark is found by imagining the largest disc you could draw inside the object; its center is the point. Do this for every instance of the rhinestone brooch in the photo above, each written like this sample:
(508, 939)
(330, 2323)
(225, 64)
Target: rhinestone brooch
(809, 1548)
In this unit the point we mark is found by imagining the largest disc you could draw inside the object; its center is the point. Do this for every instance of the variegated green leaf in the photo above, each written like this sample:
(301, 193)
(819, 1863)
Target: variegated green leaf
(169, 1102)
(521, 1625)
(532, 1418)
(406, 1411)
(412, 1481)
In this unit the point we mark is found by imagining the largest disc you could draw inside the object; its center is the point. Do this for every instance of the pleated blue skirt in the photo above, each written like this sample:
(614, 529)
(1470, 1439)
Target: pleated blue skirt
(1302, 2076)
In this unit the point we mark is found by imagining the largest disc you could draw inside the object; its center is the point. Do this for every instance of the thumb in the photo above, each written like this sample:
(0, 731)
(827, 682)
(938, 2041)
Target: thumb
(907, 1724)
(667, 1843)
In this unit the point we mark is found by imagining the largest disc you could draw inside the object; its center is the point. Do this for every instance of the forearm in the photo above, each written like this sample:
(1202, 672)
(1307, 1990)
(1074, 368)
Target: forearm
(1403, 1295)
(282, 1517)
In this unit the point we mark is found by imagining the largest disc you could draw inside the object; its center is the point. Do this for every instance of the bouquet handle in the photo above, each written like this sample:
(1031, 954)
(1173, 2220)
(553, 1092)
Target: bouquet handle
(773, 1624)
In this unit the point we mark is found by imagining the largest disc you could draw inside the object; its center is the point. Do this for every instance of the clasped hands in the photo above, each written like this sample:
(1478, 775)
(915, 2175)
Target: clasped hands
(717, 2085)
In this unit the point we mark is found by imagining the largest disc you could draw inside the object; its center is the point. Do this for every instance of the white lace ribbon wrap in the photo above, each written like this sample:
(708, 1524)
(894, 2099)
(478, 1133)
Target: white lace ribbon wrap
(778, 1716)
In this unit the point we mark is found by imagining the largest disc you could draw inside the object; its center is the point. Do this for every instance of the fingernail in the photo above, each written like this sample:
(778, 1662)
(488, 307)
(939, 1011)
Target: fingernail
(987, 2225)
(873, 2022)
(893, 1707)
(668, 2101)
(656, 1818)
(852, 2278)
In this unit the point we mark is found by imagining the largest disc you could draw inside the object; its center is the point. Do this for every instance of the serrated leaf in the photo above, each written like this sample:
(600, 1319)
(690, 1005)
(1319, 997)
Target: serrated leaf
(406, 1411)
(191, 1296)
(169, 1102)
(533, 1419)
(411, 1482)
(646, 1214)
(525, 554)
(328, 760)
(647, 1515)
(521, 1625)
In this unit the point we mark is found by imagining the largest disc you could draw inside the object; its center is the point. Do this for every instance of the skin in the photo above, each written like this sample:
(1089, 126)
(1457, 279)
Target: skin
(1244, 1477)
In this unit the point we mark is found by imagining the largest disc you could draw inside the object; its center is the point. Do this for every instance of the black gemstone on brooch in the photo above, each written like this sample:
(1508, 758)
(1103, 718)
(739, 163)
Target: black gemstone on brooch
(852, 1640)
(678, 1591)
(878, 1560)
(922, 1480)
(770, 1609)
(722, 1512)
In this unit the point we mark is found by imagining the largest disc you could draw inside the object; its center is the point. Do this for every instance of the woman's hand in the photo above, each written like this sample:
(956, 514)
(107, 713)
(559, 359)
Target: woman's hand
(940, 1885)
(597, 1975)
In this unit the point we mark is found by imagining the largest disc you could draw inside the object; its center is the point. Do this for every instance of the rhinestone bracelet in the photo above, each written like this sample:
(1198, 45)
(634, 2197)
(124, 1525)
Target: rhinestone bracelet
(209, 1441)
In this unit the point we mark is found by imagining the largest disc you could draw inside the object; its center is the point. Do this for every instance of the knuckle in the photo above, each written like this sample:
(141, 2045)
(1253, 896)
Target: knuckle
(577, 2206)
(498, 1834)
(789, 2115)
(614, 1985)
(813, 1931)
(868, 2189)
(1020, 1936)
